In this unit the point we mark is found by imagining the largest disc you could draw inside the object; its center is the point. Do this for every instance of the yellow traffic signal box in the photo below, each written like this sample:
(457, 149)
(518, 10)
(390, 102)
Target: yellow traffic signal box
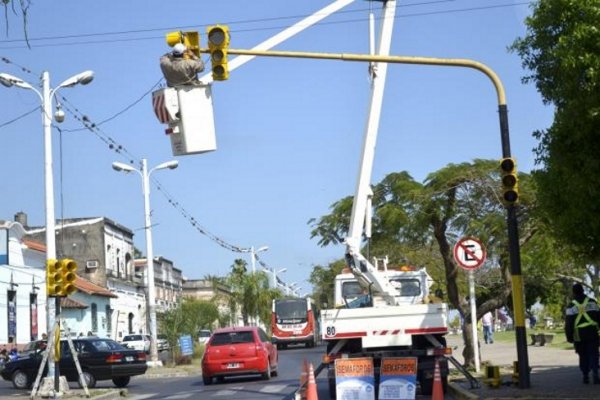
(218, 43)
(510, 181)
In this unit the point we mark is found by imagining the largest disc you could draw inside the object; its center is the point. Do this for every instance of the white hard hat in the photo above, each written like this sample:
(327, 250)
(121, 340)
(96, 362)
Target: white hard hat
(179, 48)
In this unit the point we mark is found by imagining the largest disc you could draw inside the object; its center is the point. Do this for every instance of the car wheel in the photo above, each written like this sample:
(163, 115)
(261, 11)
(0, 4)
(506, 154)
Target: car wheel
(267, 374)
(20, 380)
(207, 380)
(88, 378)
(121, 381)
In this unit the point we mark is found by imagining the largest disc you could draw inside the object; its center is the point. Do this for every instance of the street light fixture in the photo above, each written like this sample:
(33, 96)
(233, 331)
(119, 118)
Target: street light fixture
(151, 299)
(253, 254)
(46, 96)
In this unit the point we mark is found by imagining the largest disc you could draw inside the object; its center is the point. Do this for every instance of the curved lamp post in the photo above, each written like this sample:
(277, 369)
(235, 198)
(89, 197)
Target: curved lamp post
(151, 299)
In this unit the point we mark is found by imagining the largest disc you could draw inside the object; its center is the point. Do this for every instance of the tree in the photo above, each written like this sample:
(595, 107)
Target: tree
(23, 9)
(561, 50)
(187, 319)
(419, 223)
(251, 293)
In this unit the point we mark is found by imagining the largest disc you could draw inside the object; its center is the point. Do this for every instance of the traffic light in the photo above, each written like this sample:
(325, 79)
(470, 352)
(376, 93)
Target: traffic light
(68, 272)
(510, 182)
(190, 39)
(53, 278)
(218, 43)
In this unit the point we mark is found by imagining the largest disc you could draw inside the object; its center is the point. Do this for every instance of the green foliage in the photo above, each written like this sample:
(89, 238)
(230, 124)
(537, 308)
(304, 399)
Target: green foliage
(250, 292)
(322, 280)
(561, 50)
(187, 319)
(418, 224)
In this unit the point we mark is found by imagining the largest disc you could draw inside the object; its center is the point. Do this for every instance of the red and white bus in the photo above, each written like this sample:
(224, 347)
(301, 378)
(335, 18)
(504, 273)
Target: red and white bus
(293, 321)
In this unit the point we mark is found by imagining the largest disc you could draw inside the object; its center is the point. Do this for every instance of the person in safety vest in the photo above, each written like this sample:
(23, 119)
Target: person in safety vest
(181, 66)
(581, 328)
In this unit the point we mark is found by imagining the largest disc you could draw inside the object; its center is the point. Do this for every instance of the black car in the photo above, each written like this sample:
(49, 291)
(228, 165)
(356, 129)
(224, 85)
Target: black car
(100, 359)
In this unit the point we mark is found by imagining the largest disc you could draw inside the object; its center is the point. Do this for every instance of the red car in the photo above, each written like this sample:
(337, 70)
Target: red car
(241, 350)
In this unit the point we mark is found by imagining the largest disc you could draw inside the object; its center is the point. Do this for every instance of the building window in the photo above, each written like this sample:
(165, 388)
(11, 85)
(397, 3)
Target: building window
(33, 315)
(11, 296)
(94, 317)
(130, 323)
(108, 320)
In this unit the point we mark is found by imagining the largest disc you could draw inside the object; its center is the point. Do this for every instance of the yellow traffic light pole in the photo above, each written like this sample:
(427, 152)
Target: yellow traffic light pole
(511, 218)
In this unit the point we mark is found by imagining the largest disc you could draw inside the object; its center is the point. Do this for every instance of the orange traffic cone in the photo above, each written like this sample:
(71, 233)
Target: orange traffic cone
(438, 388)
(303, 379)
(311, 389)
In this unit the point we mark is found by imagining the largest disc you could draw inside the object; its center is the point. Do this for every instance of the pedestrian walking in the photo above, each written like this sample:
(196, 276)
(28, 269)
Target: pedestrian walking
(581, 328)
(487, 322)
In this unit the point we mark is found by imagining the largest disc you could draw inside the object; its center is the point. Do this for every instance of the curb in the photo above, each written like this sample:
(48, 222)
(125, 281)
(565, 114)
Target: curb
(461, 393)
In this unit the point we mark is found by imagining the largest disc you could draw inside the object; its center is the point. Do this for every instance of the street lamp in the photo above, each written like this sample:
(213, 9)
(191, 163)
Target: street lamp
(275, 273)
(117, 166)
(46, 96)
(253, 254)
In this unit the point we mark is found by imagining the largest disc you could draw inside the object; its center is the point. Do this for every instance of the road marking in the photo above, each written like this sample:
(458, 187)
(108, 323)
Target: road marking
(225, 392)
(273, 388)
(180, 396)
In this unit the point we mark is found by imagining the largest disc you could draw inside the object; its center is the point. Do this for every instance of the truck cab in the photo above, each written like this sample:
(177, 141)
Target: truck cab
(411, 284)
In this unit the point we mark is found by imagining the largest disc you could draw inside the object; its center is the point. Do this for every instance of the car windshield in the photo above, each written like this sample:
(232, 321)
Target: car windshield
(131, 338)
(106, 345)
(220, 339)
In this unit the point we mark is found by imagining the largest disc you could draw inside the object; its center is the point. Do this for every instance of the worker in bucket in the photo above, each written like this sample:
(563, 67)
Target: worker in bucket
(581, 329)
(181, 66)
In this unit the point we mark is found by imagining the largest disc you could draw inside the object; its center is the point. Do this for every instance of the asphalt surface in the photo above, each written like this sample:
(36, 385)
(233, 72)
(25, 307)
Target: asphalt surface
(554, 374)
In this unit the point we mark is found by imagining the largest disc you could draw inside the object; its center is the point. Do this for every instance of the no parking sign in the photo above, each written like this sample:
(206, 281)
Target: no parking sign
(469, 253)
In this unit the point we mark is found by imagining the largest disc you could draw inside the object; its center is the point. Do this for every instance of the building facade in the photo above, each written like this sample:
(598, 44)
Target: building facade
(22, 286)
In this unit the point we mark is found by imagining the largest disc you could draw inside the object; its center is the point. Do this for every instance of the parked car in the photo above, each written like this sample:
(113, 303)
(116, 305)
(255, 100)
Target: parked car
(162, 343)
(137, 342)
(239, 351)
(203, 336)
(100, 359)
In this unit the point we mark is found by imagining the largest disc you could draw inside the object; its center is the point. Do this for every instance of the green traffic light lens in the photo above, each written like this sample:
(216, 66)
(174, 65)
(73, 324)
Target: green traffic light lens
(511, 196)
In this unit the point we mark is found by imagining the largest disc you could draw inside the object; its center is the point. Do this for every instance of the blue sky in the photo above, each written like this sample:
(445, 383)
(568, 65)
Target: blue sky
(289, 131)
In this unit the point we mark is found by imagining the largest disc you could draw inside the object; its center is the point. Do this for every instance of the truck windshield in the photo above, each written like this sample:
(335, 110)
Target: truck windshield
(291, 311)
(407, 287)
(351, 290)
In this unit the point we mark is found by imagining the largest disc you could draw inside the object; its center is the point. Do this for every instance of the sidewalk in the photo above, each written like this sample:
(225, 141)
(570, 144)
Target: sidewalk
(554, 374)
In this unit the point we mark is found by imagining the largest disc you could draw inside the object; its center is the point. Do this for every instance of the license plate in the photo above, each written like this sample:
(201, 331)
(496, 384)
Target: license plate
(129, 358)
(297, 332)
(233, 365)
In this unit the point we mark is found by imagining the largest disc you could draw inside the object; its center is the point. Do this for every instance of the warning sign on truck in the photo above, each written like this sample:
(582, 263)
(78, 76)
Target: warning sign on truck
(354, 379)
(398, 378)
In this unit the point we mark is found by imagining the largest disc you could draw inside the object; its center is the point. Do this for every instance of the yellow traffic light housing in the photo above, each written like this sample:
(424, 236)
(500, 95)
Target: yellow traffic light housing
(510, 181)
(68, 273)
(53, 278)
(218, 43)
(190, 39)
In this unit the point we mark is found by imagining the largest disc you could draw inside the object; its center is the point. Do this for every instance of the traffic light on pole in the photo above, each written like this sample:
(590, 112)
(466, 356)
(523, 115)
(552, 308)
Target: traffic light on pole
(68, 272)
(218, 43)
(510, 182)
(53, 277)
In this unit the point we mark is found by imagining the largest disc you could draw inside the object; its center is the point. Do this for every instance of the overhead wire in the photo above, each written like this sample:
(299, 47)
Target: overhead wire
(119, 149)
(322, 23)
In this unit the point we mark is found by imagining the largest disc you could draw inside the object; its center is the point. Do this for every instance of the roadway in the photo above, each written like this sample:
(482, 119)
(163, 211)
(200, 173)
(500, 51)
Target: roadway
(162, 384)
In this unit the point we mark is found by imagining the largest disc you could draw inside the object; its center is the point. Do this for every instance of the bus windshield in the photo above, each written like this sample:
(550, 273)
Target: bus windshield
(291, 311)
